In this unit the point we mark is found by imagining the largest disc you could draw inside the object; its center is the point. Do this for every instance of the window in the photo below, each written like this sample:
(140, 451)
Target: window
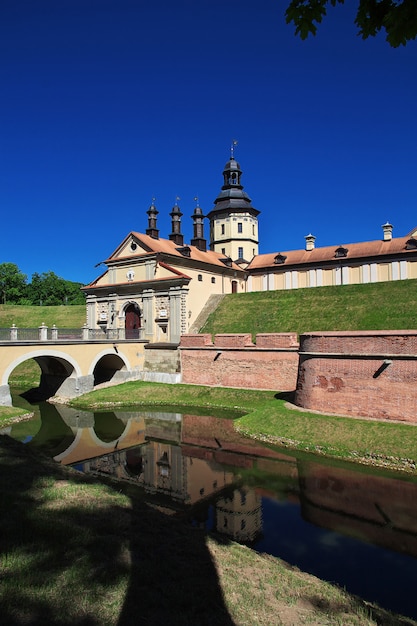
(341, 252)
(279, 258)
(213, 279)
(239, 227)
(240, 252)
(200, 277)
(253, 229)
(223, 250)
(222, 229)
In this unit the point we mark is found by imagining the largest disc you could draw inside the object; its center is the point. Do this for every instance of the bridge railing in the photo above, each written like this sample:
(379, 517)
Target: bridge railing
(44, 333)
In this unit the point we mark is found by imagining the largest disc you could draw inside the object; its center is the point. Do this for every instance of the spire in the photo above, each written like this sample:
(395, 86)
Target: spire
(152, 231)
(198, 239)
(176, 215)
(232, 149)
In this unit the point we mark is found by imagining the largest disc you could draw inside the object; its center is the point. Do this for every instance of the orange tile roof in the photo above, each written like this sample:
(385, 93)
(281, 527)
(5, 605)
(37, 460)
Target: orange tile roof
(376, 248)
(166, 246)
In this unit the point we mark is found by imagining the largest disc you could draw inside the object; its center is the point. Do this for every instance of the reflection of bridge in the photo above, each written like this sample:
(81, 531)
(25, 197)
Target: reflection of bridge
(73, 365)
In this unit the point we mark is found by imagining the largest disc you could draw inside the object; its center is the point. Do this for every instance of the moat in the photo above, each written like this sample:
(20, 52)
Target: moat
(353, 526)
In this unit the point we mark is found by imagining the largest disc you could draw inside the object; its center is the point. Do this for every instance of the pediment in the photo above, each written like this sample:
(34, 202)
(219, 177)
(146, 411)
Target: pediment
(131, 246)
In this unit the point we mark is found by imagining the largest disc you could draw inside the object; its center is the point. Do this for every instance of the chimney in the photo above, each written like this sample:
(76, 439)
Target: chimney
(176, 215)
(387, 228)
(310, 239)
(152, 231)
(198, 240)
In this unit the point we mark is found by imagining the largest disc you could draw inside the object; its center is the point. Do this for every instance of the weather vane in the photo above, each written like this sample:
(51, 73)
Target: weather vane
(232, 148)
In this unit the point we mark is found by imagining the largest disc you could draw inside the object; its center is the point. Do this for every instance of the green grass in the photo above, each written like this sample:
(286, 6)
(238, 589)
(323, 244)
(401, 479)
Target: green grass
(378, 306)
(34, 316)
(269, 419)
(25, 375)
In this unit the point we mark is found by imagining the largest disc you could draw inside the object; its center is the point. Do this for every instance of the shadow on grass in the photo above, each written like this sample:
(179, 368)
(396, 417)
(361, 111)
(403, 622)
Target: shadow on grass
(287, 396)
(76, 552)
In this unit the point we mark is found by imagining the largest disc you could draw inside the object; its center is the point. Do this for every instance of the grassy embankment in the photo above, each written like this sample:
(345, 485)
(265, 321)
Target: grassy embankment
(380, 306)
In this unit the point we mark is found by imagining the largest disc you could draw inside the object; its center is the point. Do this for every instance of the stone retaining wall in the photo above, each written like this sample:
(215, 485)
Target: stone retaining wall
(370, 374)
(233, 360)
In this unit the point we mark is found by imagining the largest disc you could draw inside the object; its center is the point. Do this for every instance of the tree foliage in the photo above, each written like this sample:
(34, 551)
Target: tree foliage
(398, 18)
(12, 283)
(46, 289)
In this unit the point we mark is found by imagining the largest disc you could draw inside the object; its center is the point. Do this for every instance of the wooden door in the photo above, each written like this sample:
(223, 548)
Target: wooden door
(132, 321)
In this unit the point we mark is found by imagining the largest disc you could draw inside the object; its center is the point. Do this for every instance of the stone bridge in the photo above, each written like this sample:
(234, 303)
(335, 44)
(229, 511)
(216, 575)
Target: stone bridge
(71, 366)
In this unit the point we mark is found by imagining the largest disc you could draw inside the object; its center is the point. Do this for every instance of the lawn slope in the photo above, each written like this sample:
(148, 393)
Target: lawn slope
(377, 306)
(33, 316)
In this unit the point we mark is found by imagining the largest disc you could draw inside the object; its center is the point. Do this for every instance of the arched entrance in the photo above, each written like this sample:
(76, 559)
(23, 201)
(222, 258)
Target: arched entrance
(132, 321)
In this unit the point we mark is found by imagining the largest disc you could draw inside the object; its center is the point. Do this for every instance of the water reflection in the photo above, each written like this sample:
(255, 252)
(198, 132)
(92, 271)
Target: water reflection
(346, 524)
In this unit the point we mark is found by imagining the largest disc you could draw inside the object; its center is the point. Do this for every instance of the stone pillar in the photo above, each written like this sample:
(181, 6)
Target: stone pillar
(75, 386)
(85, 332)
(13, 333)
(175, 315)
(5, 397)
(148, 313)
(43, 332)
(91, 311)
(54, 333)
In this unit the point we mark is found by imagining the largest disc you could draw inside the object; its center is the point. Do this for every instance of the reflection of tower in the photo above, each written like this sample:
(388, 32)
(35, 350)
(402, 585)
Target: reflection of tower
(165, 470)
(240, 515)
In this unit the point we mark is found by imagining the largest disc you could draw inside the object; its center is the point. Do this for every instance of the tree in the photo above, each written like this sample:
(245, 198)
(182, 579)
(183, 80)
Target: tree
(48, 289)
(12, 284)
(397, 17)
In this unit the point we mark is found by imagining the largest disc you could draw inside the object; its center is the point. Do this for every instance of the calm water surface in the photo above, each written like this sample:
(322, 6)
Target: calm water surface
(350, 525)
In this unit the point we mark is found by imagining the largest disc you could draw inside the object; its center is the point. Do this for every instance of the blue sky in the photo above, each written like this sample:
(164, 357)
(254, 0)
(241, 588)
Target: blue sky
(108, 103)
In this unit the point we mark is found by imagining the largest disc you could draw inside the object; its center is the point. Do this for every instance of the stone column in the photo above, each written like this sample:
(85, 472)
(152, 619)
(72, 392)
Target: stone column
(175, 314)
(54, 333)
(43, 332)
(91, 311)
(13, 333)
(148, 313)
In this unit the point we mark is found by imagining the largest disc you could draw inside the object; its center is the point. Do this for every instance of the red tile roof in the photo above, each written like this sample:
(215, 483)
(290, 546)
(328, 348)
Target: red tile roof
(166, 246)
(378, 248)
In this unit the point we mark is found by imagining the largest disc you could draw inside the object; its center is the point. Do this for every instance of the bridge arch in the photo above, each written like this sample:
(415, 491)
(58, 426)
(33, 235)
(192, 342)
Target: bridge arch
(56, 368)
(106, 365)
(41, 357)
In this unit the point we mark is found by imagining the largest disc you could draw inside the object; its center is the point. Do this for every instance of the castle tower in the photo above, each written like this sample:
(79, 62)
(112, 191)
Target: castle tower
(233, 219)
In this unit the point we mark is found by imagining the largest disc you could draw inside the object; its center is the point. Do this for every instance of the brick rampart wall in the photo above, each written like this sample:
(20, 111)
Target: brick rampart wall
(233, 360)
(370, 374)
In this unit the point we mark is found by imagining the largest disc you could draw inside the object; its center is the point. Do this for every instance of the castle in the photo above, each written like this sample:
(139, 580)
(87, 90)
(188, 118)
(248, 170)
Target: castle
(154, 289)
